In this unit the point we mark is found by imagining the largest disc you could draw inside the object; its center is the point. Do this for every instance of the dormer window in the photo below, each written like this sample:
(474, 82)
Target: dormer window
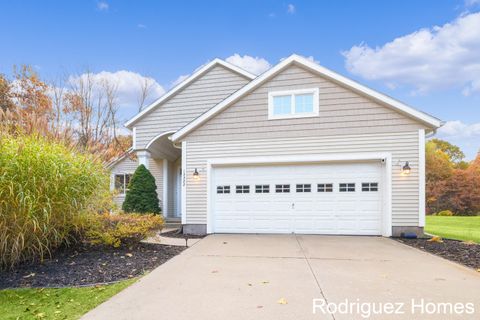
(293, 104)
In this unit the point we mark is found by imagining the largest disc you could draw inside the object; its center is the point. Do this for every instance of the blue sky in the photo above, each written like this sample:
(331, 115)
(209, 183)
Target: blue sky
(424, 53)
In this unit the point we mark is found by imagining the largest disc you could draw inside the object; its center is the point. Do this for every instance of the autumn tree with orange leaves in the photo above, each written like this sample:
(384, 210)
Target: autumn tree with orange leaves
(82, 114)
(451, 183)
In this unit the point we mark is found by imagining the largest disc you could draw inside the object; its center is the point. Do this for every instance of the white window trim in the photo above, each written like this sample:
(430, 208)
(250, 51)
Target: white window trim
(124, 187)
(293, 93)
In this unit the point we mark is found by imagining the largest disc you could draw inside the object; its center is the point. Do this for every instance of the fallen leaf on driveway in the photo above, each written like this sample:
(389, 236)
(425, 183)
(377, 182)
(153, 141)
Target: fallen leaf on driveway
(282, 301)
(259, 307)
(478, 270)
(265, 282)
(469, 242)
(225, 242)
(129, 255)
(30, 275)
(214, 271)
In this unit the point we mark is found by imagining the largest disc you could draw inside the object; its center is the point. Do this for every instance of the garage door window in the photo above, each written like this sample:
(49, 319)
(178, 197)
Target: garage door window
(369, 186)
(304, 188)
(262, 188)
(242, 189)
(325, 187)
(346, 187)
(282, 188)
(223, 189)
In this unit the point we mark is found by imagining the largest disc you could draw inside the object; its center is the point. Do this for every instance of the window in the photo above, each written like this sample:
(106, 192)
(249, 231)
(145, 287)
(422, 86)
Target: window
(304, 188)
(121, 182)
(282, 188)
(304, 103)
(223, 189)
(242, 189)
(262, 188)
(325, 187)
(369, 186)
(346, 187)
(282, 105)
(293, 104)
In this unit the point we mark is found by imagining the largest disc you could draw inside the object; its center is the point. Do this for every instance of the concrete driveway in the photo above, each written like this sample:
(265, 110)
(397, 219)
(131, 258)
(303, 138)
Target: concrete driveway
(246, 276)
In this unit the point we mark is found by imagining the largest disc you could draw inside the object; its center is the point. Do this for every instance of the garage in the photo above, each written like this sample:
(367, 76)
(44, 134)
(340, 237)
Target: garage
(309, 198)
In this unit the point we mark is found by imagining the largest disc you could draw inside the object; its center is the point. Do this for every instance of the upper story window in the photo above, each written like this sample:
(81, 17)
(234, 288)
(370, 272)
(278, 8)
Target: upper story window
(121, 182)
(293, 104)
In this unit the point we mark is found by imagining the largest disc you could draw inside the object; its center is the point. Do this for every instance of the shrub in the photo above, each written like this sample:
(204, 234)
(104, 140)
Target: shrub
(46, 189)
(141, 195)
(445, 213)
(116, 230)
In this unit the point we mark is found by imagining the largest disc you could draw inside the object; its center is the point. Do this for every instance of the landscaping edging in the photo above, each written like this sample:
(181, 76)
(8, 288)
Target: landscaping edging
(461, 252)
(89, 266)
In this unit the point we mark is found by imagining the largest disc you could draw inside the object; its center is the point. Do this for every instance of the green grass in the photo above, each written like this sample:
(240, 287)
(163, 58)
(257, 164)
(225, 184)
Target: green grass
(65, 303)
(460, 228)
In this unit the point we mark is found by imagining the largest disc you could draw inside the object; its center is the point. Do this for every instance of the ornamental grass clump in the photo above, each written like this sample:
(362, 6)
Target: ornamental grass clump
(47, 190)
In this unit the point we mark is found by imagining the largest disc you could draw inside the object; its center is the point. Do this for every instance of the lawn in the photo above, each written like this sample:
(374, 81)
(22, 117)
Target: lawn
(65, 303)
(460, 228)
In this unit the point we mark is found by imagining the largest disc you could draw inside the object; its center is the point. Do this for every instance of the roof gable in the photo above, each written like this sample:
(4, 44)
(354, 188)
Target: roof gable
(314, 68)
(196, 75)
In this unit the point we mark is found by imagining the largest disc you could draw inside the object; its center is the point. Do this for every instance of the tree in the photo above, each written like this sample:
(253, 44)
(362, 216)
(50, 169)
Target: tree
(462, 193)
(438, 169)
(6, 95)
(454, 153)
(141, 195)
(146, 86)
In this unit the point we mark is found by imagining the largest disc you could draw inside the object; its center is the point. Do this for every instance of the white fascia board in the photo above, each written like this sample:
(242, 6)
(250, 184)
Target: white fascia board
(419, 115)
(231, 99)
(113, 162)
(185, 83)
(409, 111)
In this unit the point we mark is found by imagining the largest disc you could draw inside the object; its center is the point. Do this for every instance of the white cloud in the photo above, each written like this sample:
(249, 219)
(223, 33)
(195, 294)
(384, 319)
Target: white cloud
(459, 129)
(180, 79)
(291, 8)
(127, 84)
(466, 136)
(103, 6)
(141, 26)
(254, 65)
(472, 3)
(428, 59)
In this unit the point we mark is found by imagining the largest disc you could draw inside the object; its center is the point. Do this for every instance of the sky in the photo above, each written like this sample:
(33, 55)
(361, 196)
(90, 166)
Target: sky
(423, 53)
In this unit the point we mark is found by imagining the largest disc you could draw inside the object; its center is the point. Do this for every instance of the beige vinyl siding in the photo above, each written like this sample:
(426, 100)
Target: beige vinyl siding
(347, 123)
(126, 165)
(189, 103)
(403, 146)
(342, 111)
(156, 169)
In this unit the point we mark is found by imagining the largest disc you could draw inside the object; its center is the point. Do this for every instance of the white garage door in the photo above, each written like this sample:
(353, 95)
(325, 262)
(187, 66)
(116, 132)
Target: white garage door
(311, 198)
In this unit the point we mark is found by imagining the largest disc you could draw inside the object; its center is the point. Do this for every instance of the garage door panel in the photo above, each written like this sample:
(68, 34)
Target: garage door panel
(335, 212)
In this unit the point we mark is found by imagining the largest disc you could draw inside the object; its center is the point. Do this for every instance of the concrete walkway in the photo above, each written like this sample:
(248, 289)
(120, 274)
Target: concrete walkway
(277, 276)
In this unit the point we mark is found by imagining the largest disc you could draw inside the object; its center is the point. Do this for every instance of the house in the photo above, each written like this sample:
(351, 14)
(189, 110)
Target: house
(297, 149)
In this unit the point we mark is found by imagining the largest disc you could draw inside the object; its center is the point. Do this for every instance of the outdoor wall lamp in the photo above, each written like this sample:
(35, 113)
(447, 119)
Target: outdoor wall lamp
(406, 168)
(196, 175)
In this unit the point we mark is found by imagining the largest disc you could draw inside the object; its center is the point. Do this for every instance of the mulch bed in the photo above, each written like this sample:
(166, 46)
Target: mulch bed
(176, 234)
(457, 251)
(89, 265)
